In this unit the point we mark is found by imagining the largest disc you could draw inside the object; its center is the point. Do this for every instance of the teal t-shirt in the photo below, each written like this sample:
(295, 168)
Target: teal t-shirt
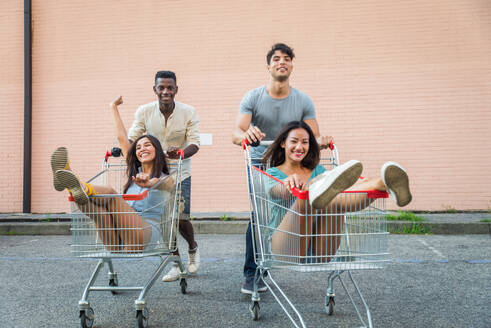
(279, 208)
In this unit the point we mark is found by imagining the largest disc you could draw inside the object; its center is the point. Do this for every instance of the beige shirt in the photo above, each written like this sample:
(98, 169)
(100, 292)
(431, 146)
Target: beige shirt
(180, 130)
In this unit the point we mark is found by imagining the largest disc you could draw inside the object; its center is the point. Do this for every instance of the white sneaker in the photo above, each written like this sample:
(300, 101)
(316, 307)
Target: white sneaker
(331, 183)
(173, 274)
(397, 182)
(194, 260)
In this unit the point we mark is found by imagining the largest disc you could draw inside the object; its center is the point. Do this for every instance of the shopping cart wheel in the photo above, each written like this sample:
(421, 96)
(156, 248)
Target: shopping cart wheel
(87, 318)
(254, 308)
(330, 304)
(142, 318)
(184, 285)
(113, 283)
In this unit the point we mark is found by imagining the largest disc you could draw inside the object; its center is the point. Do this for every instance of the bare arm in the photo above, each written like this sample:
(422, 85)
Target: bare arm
(323, 141)
(281, 190)
(164, 183)
(244, 130)
(188, 151)
(120, 129)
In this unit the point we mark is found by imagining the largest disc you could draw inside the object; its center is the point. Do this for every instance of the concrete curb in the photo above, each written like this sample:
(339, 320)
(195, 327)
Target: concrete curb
(62, 227)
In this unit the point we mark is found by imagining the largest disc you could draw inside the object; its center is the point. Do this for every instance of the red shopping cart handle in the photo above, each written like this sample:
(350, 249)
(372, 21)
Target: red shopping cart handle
(244, 143)
(300, 194)
(140, 196)
(115, 152)
(108, 154)
(135, 196)
(304, 194)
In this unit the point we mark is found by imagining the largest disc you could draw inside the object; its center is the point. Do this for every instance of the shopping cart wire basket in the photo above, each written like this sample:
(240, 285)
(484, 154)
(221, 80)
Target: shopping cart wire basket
(349, 234)
(96, 235)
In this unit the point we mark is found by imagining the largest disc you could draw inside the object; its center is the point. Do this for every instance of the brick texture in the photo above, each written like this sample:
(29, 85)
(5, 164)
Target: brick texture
(391, 80)
(11, 104)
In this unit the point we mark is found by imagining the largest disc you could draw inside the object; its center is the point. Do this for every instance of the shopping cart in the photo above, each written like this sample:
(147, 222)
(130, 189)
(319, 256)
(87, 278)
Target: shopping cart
(93, 236)
(337, 239)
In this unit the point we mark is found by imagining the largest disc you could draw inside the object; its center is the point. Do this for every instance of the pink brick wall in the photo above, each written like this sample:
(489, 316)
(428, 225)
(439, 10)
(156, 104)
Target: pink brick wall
(391, 80)
(11, 104)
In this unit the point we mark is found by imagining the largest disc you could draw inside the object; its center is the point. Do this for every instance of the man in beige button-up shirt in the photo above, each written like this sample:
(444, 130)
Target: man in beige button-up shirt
(176, 125)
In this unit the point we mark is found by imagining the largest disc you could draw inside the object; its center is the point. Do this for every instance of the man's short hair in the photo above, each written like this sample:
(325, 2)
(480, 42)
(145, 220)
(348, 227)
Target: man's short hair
(165, 75)
(281, 47)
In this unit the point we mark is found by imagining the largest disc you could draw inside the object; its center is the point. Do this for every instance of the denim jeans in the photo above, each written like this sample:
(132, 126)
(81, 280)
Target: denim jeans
(186, 194)
(250, 264)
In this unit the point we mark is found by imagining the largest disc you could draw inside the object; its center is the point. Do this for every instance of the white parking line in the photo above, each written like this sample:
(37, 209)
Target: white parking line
(433, 249)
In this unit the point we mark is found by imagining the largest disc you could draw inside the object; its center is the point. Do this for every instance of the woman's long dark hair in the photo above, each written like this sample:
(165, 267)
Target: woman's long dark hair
(275, 155)
(133, 164)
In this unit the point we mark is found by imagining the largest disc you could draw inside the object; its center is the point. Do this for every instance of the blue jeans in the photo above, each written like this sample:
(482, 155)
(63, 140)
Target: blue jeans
(250, 264)
(186, 194)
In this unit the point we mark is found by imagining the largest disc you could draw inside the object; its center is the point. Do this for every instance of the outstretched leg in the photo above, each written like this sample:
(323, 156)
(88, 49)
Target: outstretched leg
(110, 214)
(320, 229)
(291, 237)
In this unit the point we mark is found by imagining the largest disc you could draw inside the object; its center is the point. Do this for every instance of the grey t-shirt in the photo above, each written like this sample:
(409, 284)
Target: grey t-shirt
(270, 115)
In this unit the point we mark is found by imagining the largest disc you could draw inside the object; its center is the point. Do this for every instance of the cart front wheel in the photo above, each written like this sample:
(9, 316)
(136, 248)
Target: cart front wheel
(254, 308)
(184, 285)
(87, 318)
(330, 305)
(142, 318)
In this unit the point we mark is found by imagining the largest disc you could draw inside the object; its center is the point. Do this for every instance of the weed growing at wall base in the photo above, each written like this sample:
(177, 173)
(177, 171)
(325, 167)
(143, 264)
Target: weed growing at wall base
(414, 229)
(404, 216)
(224, 217)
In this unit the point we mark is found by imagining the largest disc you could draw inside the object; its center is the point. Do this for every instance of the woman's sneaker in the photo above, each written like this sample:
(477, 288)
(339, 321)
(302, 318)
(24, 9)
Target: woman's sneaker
(331, 183)
(397, 182)
(173, 274)
(59, 161)
(70, 181)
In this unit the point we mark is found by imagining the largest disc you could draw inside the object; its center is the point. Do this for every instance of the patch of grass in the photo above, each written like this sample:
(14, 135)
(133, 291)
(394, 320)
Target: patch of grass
(404, 216)
(10, 233)
(486, 220)
(414, 229)
(225, 217)
(46, 220)
(449, 209)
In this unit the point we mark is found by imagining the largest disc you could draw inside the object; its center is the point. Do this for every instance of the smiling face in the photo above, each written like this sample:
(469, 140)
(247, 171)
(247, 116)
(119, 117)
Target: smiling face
(296, 145)
(280, 66)
(145, 151)
(165, 89)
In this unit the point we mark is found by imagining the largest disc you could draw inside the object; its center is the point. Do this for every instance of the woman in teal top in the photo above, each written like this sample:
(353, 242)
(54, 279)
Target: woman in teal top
(296, 224)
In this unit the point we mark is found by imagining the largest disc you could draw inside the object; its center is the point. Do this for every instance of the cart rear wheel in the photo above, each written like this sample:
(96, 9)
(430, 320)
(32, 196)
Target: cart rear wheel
(87, 318)
(113, 283)
(330, 305)
(142, 318)
(184, 285)
(254, 308)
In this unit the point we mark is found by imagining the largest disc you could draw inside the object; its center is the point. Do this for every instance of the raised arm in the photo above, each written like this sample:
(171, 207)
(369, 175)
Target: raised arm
(244, 130)
(120, 129)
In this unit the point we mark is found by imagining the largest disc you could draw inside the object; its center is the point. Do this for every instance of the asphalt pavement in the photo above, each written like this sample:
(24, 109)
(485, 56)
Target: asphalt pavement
(430, 281)
(236, 223)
